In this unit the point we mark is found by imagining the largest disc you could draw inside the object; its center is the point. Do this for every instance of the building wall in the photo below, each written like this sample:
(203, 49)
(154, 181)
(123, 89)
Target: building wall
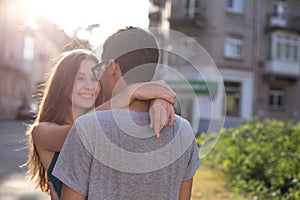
(26, 54)
(220, 23)
(223, 23)
(14, 73)
(251, 25)
(290, 85)
(13, 91)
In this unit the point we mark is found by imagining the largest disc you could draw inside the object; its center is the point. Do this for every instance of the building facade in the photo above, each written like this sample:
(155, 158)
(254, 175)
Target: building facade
(26, 54)
(253, 43)
(278, 60)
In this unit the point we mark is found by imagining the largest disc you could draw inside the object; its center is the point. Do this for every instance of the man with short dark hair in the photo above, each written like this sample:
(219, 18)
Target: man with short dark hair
(114, 154)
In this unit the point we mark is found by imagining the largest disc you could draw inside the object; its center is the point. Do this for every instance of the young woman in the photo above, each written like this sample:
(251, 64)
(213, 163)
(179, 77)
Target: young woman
(72, 91)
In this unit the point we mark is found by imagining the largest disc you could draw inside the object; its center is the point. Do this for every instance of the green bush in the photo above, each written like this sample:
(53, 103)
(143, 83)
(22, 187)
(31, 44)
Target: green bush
(261, 158)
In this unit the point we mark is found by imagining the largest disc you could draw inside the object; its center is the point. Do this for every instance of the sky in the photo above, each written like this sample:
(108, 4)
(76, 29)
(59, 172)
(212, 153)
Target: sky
(110, 14)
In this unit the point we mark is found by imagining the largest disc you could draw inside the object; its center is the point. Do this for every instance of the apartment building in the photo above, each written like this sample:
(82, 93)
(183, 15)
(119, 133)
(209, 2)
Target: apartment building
(278, 60)
(255, 46)
(26, 54)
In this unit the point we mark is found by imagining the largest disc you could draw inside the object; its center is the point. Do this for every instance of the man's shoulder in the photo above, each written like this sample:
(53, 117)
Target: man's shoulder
(182, 122)
(181, 119)
(184, 128)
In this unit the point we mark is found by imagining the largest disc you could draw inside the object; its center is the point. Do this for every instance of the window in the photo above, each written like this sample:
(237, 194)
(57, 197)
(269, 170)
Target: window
(233, 98)
(28, 48)
(276, 99)
(280, 8)
(235, 5)
(284, 47)
(192, 8)
(233, 47)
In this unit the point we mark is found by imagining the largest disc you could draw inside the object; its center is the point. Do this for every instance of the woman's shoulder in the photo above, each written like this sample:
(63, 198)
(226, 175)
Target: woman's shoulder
(43, 128)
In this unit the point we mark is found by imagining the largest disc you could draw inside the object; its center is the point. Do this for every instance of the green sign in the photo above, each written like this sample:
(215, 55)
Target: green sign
(193, 86)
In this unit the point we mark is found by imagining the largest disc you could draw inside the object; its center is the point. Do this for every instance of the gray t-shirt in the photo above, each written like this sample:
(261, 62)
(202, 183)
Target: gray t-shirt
(115, 155)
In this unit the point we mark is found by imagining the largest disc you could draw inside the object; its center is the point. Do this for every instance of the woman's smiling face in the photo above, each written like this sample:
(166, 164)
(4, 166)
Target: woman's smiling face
(86, 87)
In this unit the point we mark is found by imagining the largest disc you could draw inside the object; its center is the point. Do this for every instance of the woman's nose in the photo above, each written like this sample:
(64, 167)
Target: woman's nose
(91, 84)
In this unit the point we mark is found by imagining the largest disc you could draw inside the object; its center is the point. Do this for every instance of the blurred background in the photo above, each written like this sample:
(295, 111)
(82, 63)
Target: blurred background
(255, 45)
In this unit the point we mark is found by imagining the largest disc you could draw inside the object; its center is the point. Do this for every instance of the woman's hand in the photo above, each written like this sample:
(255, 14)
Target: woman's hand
(162, 114)
(152, 90)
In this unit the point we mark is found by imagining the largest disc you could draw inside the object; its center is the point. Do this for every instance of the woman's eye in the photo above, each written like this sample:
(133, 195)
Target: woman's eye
(94, 79)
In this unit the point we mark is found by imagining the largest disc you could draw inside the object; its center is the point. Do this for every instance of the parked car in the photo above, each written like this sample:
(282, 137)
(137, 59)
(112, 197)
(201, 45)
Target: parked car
(27, 112)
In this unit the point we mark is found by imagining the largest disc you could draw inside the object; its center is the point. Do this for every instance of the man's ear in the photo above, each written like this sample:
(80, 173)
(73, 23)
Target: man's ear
(115, 69)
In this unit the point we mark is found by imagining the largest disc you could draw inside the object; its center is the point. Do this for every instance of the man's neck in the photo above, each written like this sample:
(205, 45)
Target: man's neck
(136, 105)
(139, 106)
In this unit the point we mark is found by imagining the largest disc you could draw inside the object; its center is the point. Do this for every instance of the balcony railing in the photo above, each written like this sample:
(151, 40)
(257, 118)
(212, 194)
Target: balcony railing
(286, 22)
(186, 17)
(287, 69)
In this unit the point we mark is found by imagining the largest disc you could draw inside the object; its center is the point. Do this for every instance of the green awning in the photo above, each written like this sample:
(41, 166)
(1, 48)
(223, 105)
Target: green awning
(193, 86)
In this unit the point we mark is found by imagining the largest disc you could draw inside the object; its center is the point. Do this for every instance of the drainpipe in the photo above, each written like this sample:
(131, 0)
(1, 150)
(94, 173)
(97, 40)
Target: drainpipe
(255, 54)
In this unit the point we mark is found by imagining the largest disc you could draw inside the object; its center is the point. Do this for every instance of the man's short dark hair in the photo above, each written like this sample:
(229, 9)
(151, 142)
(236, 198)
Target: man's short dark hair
(135, 50)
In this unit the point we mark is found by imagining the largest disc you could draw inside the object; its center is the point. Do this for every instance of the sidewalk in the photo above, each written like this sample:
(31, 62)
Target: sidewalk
(16, 187)
(13, 183)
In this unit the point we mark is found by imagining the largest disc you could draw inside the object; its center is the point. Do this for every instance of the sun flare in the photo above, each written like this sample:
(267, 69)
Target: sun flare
(110, 15)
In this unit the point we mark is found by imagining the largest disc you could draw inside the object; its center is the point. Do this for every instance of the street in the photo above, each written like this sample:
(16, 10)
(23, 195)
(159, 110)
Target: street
(13, 153)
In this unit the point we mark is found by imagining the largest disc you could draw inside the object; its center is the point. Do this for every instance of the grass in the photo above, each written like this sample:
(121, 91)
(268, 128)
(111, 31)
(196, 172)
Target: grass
(209, 184)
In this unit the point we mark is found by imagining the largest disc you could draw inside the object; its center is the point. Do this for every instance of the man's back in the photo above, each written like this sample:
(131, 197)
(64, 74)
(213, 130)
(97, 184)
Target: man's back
(117, 156)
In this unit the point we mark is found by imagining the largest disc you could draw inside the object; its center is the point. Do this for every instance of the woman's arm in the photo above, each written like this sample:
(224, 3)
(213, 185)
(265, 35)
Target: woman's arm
(50, 136)
(140, 91)
(67, 193)
(162, 98)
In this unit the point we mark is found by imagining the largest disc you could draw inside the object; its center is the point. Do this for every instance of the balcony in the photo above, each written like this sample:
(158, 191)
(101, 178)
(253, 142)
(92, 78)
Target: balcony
(285, 22)
(284, 69)
(157, 2)
(188, 17)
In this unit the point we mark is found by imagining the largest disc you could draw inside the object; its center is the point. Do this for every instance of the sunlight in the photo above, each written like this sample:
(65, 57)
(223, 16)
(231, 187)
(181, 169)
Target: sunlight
(60, 12)
(111, 15)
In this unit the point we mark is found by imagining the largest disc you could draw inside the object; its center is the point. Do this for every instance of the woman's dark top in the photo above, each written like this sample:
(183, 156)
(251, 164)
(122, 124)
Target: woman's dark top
(56, 183)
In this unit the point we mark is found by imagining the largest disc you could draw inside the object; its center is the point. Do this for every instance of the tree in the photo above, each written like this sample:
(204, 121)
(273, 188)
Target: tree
(80, 42)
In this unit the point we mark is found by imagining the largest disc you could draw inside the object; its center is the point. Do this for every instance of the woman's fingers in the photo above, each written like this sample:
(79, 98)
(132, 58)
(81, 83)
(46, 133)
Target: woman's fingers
(162, 114)
(151, 115)
(154, 113)
(170, 98)
(157, 119)
(172, 117)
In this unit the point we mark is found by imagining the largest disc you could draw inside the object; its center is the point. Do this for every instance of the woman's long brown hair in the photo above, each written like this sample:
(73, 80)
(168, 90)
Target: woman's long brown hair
(55, 107)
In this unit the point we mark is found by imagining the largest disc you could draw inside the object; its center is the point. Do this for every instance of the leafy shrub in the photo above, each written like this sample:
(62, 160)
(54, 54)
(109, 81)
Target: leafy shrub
(260, 157)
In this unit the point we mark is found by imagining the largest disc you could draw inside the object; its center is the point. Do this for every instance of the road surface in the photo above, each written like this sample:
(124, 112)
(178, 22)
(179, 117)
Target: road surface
(13, 153)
